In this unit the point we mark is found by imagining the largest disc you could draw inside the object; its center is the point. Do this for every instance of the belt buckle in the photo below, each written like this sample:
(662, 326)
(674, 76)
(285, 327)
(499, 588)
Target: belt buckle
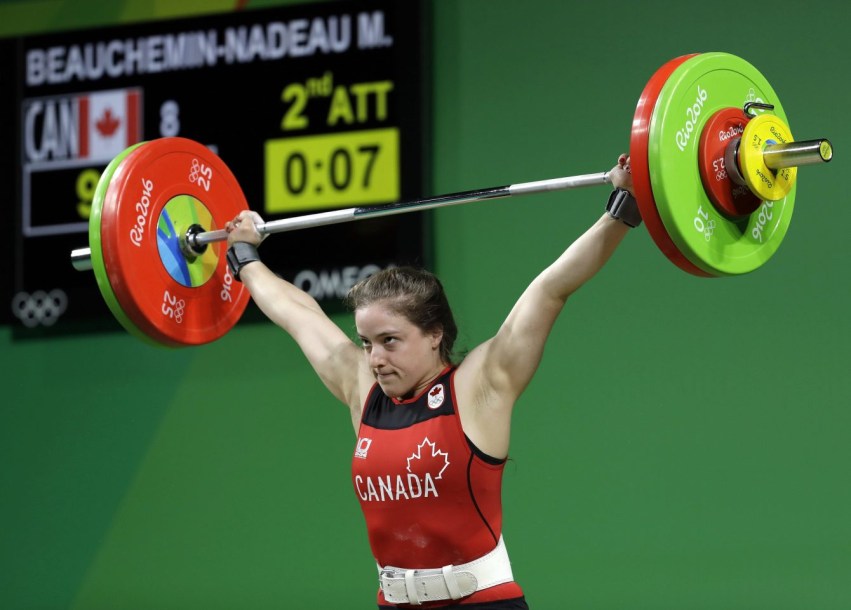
(390, 572)
(390, 580)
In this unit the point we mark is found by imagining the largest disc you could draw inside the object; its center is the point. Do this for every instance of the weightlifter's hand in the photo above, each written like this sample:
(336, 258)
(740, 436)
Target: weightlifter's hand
(243, 228)
(620, 174)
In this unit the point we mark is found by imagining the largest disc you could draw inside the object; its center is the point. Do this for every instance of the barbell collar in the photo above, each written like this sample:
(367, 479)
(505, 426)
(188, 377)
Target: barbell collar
(731, 162)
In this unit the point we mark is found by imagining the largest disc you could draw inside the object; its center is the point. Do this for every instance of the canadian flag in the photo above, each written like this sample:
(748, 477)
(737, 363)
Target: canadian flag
(109, 123)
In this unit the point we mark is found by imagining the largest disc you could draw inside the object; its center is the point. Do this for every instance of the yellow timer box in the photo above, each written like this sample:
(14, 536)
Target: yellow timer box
(332, 170)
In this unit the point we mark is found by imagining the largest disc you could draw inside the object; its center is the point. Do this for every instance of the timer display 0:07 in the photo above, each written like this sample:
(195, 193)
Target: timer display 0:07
(332, 170)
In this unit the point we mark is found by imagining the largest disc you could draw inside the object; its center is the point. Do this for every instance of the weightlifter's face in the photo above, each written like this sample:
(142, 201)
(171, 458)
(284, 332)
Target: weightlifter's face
(400, 355)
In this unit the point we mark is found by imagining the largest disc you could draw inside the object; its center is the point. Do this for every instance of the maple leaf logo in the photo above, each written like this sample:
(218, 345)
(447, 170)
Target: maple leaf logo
(431, 460)
(107, 124)
(435, 396)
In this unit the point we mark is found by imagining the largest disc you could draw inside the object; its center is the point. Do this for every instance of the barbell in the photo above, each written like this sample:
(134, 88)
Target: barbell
(713, 161)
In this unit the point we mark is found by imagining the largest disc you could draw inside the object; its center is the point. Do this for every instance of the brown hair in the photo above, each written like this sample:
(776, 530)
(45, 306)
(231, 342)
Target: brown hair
(414, 293)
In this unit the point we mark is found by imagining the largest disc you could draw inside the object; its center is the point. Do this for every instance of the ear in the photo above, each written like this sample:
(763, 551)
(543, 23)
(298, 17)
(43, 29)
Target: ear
(436, 338)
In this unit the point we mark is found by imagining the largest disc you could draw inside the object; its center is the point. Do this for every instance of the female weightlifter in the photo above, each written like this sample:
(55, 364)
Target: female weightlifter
(432, 433)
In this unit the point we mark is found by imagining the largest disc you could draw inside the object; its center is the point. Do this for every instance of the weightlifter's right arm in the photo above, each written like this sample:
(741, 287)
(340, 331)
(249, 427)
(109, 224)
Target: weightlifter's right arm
(335, 358)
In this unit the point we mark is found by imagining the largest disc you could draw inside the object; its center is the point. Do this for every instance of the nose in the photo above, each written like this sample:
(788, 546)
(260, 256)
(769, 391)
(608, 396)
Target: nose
(376, 357)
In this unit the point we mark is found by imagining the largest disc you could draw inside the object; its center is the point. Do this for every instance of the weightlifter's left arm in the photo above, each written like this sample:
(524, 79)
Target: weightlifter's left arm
(496, 372)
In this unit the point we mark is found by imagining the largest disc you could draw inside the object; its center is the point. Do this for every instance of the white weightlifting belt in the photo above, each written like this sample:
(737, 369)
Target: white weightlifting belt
(417, 586)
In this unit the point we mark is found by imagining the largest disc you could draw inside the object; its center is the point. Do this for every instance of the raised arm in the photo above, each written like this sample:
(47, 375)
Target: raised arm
(335, 358)
(494, 374)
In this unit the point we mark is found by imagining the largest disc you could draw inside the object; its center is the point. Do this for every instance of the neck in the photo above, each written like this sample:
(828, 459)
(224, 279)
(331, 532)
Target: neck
(425, 383)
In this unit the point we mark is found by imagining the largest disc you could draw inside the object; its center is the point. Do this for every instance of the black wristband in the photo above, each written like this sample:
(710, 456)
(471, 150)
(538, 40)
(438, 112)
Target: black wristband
(624, 207)
(239, 255)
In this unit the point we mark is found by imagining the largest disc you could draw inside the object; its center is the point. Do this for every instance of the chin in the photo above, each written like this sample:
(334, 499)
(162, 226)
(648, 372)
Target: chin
(394, 390)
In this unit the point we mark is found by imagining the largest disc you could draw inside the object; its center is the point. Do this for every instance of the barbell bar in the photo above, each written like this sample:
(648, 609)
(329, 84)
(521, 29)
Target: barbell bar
(777, 156)
(714, 168)
(194, 242)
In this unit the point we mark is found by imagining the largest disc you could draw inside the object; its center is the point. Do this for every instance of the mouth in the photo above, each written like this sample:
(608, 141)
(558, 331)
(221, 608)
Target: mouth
(379, 376)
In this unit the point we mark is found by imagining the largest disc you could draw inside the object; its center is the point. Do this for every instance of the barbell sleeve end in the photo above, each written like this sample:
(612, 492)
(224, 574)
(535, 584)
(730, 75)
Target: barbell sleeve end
(826, 150)
(81, 258)
(797, 153)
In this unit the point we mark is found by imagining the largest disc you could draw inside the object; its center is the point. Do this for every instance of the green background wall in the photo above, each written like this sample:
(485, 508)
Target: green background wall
(685, 444)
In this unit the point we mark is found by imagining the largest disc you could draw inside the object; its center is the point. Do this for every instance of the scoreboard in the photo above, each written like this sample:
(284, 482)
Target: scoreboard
(313, 107)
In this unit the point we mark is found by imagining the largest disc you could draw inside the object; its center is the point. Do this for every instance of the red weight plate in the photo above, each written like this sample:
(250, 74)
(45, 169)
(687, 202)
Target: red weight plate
(140, 237)
(640, 166)
(723, 127)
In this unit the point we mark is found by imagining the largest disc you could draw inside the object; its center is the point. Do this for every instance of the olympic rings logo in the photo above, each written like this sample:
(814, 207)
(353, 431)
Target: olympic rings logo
(180, 306)
(173, 307)
(40, 307)
(194, 170)
(704, 224)
(710, 229)
(200, 174)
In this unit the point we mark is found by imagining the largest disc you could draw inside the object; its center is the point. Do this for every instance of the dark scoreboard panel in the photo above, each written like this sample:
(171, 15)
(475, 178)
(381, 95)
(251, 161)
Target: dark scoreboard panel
(312, 107)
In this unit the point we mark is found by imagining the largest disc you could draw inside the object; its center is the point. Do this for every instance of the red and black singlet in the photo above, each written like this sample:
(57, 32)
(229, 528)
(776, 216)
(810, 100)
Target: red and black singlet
(429, 497)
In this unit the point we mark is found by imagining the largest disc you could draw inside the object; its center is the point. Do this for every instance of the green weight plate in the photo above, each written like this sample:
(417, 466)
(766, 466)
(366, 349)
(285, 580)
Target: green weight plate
(697, 89)
(96, 247)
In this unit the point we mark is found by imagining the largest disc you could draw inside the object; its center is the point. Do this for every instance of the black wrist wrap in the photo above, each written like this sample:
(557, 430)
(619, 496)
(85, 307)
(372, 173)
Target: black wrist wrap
(239, 255)
(624, 207)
